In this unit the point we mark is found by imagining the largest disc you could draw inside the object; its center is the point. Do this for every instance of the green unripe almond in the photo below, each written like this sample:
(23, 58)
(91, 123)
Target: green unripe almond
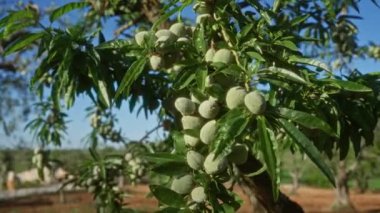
(156, 62)
(223, 56)
(164, 32)
(208, 132)
(209, 109)
(183, 40)
(235, 97)
(209, 55)
(194, 159)
(214, 166)
(255, 102)
(184, 105)
(198, 194)
(191, 122)
(141, 37)
(164, 42)
(191, 140)
(239, 154)
(178, 29)
(182, 185)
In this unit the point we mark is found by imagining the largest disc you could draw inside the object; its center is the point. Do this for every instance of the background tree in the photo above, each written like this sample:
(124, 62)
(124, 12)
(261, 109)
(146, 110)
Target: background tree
(250, 68)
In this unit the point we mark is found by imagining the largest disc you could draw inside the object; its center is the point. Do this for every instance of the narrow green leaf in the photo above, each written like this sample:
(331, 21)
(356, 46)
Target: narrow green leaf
(348, 85)
(201, 79)
(130, 76)
(104, 92)
(276, 5)
(23, 42)
(281, 72)
(164, 157)
(288, 44)
(167, 196)
(299, 19)
(66, 8)
(170, 210)
(307, 120)
(183, 79)
(256, 56)
(308, 147)
(114, 44)
(199, 39)
(17, 16)
(167, 15)
(230, 126)
(179, 142)
(172, 168)
(267, 149)
(311, 62)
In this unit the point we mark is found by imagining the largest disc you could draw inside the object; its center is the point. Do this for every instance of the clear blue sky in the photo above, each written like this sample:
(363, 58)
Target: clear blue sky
(135, 127)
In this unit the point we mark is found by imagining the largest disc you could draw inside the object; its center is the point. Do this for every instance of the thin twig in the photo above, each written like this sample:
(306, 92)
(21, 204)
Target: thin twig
(124, 27)
(149, 133)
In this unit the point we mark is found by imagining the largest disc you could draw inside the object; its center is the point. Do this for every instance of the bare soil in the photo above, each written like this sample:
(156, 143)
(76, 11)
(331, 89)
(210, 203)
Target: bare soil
(311, 199)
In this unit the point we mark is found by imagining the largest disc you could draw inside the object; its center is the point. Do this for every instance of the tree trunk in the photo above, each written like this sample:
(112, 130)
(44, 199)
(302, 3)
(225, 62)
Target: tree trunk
(342, 201)
(261, 185)
(295, 179)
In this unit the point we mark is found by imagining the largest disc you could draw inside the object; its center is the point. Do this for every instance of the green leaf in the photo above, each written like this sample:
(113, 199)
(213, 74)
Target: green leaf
(307, 120)
(167, 196)
(183, 79)
(288, 44)
(284, 73)
(348, 85)
(231, 125)
(299, 19)
(164, 157)
(201, 79)
(311, 62)
(114, 44)
(130, 76)
(169, 210)
(23, 42)
(171, 168)
(66, 8)
(256, 56)
(169, 13)
(199, 39)
(308, 147)
(104, 93)
(267, 149)
(179, 142)
(18, 16)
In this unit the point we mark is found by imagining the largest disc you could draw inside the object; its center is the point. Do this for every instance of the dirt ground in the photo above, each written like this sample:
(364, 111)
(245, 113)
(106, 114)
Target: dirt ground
(311, 199)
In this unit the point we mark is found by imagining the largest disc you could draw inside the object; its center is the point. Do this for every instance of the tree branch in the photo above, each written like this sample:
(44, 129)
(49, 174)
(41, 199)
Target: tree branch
(149, 133)
(124, 27)
(261, 185)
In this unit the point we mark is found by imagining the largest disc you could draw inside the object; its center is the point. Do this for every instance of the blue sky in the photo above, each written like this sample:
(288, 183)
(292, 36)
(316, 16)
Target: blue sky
(135, 127)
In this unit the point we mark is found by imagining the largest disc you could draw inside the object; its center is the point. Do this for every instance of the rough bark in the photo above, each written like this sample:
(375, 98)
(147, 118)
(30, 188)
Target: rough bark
(342, 201)
(261, 185)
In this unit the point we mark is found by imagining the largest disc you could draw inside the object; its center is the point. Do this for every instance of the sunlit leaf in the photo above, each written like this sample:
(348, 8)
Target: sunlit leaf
(267, 148)
(167, 196)
(308, 147)
(67, 8)
(307, 120)
(23, 42)
(130, 76)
